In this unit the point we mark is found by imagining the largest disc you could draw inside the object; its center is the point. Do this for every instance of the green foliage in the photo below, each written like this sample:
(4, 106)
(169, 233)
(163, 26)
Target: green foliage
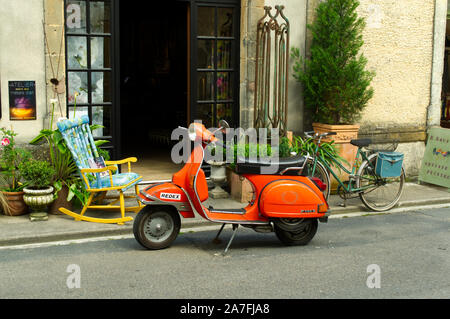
(308, 146)
(285, 148)
(38, 174)
(335, 82)
(11, 157)
(248, 150)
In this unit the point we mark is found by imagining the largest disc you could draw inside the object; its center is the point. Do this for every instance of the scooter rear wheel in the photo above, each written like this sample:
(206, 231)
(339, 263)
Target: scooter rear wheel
(299, 237)
(156, 227)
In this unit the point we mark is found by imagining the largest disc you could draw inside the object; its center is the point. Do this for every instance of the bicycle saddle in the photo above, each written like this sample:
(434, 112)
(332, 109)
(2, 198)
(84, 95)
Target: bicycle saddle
(255, 166)
(361, 142)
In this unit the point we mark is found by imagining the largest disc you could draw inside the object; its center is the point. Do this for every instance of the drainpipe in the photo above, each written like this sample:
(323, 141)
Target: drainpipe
(439, 30)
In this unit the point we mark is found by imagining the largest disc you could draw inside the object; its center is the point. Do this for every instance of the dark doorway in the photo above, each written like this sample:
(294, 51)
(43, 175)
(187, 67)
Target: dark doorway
(153, 75)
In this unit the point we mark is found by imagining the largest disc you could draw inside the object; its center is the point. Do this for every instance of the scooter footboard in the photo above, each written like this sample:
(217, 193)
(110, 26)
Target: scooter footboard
(292, 199)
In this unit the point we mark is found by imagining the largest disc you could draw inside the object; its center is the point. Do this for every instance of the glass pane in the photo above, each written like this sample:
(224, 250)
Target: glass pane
(77, 52)
(224, 60)
(205, 113)
(101, 87)
(224, 86)
(225, 22)
(206, 54)
(100, 53)
(76, 16)
(205, 24)
(77, 112)
(206, 86)
(100, 12)
(225, 112)
(101, 115)
(77, 83)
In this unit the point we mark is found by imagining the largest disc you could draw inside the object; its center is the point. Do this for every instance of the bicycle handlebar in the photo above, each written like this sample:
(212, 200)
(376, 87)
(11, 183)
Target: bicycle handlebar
(312, 134)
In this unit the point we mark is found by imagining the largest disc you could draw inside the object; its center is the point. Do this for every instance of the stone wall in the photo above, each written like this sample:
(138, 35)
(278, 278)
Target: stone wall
(251, 12)
(55, 56)
(398, 43)
(22, 59)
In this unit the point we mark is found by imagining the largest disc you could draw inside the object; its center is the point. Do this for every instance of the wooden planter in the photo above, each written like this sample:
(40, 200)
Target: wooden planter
(241, 189)
(344, 134)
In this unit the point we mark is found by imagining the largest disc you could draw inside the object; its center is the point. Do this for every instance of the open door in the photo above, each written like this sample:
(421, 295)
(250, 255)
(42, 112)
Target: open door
(214, 69)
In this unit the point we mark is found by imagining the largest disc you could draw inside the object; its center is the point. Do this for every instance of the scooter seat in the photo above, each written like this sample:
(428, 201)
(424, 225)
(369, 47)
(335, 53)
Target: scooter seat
(270, 167)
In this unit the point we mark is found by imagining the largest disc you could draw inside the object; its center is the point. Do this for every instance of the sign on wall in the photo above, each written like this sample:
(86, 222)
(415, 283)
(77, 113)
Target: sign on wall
(22, 100)
(435, 167)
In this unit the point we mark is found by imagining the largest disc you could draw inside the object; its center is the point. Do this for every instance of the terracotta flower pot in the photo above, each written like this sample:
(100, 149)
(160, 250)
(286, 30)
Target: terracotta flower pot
(16, 203)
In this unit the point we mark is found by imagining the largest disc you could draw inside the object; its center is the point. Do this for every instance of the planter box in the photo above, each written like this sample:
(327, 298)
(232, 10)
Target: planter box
(344, 134)
(240, 188)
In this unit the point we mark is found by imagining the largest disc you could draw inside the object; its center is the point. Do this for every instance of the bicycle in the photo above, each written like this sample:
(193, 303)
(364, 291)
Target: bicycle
(376, 193)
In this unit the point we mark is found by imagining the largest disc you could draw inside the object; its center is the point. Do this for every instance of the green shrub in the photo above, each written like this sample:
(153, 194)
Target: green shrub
(38, 174)
(335, 82)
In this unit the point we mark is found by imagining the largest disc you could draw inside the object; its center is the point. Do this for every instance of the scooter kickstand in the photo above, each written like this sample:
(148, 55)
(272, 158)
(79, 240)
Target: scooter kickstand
(216, 240)
(235, 227)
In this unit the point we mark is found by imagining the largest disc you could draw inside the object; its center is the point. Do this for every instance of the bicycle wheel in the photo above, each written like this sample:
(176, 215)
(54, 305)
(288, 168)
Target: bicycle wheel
(321, 173)
(379, 194)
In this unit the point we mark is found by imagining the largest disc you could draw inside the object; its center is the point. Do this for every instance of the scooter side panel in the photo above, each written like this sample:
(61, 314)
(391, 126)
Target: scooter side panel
(291, 198)
(167, 194)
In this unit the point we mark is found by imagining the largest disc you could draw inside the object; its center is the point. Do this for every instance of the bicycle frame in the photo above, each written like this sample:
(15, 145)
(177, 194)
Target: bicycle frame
(349, 188)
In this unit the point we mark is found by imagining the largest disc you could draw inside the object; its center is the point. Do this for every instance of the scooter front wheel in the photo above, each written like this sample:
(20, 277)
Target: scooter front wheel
(156, 227)
(301, 236)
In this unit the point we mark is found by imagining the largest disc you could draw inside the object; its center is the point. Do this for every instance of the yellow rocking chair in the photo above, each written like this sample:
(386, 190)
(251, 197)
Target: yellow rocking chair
(98, 181)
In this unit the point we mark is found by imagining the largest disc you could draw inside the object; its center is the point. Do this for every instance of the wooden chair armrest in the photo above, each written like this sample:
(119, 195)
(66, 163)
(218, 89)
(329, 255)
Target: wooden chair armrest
(123, 161)
(98, 170)
(126, 160)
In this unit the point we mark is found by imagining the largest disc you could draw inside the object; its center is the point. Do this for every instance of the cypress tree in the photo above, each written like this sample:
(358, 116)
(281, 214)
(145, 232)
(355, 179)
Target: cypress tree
(335, 82)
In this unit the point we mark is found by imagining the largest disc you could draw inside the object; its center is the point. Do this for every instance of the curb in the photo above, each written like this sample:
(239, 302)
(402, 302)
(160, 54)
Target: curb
(187, 224)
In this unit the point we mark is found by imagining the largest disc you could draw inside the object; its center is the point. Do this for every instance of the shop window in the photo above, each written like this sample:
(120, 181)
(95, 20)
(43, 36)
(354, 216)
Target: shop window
(89, 62)
(216, 67)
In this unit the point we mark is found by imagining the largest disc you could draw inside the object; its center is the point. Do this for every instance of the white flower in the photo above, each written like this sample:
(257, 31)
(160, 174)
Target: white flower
(53, 101)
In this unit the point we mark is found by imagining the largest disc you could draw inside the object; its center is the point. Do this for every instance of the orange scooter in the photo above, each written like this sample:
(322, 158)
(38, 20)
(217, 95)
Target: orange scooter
(284, 201)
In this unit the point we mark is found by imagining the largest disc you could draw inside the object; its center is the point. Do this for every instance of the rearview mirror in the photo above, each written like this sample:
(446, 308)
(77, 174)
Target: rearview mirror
(223, 125)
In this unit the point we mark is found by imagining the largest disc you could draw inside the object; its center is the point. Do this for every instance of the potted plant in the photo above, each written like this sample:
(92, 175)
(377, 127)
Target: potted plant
(38, 192)
(11, 179)
(336, 85)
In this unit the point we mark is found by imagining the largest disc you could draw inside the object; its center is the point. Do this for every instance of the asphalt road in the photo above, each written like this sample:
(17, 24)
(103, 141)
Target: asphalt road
(401, 255)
